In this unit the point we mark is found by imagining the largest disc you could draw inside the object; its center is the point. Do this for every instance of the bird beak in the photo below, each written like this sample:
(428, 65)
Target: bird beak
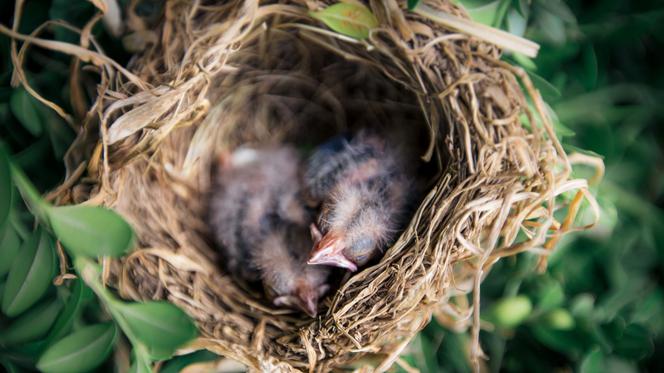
(307, 301)
(329, 251)
(316, 235)
(304, 301)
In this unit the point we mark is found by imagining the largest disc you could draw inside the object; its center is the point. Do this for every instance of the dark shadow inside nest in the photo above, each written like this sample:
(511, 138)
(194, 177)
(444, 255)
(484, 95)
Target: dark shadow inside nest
(287, 91)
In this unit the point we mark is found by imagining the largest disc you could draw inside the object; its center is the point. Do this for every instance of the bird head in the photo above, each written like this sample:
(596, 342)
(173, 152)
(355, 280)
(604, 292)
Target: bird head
(305, 297)
(329, 250)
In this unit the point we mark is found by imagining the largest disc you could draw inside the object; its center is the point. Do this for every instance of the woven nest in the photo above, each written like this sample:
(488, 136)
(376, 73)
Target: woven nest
(211, 77)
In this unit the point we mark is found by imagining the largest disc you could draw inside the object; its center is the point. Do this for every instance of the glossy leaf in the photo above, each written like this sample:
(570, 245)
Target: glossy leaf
(160, 326)
(5, 188)
(9, 247)
(30, 275)
(80, 351)
(177, 364)
(69, 313)
(24, 107)
(352, 19)
(33, 324)
(91, 231)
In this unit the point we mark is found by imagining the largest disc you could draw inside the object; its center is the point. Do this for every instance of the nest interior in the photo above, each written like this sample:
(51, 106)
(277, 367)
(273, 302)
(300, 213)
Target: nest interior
(215, 76)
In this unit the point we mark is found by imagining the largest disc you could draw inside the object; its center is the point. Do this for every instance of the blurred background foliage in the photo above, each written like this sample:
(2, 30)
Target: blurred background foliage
(600, 305)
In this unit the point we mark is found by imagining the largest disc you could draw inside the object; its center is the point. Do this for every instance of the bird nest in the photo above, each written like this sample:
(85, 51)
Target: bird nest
(211, 76)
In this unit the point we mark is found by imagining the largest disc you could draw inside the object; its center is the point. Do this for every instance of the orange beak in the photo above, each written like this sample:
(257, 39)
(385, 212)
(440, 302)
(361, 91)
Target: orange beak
(329, 251)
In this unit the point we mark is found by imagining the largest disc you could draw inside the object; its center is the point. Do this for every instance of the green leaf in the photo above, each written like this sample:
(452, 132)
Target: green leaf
(9, 245)
(636, 342)
(482, 13)
(59, 133)
(590, 67)
(412, 4)
(560, 340)
(9, 366)
(33, 324)
(551, 296)
(141, 363)
(552, 27)
(516, 22)
(72, 309)
(25, 110)
(31, 196)
(140, 367)
(559, 9)
(80, 351)
(525, 62)
(593, 362)
(91, 231)
(350, 19)
(522, 6)
(5, 187)
(30, 275)
(177, 364)
(617, 365)
(583, 305)
(510, 312)
(548, 90)
(73, 12)
(160, 326)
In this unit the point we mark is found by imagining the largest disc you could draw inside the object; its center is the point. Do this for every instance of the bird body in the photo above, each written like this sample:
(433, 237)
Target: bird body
(258, 219)
(365, 189)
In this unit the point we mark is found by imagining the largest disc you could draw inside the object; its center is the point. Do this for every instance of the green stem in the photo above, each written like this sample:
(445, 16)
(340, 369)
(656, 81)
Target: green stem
(91, 274)
(37, 206)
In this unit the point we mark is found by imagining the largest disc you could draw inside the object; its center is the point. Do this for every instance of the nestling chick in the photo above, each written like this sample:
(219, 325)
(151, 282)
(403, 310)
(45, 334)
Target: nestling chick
(365, 191)
(282, 261)
(257, 218)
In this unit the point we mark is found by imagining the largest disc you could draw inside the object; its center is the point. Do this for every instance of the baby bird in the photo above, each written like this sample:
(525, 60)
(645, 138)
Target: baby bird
(365, 191)
(258, 217)
(286, 276)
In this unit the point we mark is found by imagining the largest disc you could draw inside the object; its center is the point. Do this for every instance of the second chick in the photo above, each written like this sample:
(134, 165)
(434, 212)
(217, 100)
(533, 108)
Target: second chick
(260, 222)
(365, 190)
